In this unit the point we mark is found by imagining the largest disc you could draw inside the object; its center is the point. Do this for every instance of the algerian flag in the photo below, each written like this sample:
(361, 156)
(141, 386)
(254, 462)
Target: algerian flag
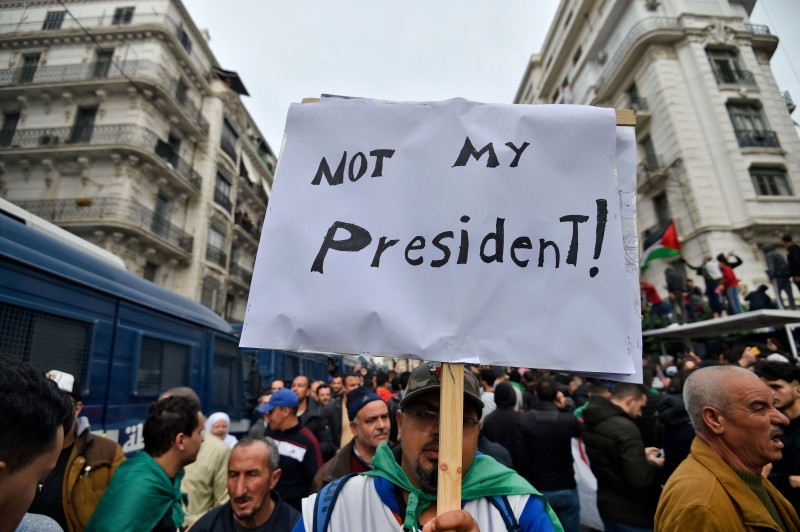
(661, 244)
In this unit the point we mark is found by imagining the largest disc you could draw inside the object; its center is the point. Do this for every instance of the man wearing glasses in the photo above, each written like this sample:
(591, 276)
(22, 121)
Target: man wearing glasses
(399, 493)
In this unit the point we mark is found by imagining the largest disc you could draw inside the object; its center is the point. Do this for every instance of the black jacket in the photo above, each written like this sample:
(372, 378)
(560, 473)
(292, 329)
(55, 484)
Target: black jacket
(317, 421)
(627, 484)
(220, 519)
(543, 451)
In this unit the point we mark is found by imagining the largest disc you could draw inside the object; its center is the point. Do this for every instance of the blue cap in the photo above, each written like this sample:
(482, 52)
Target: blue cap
(358, 399)
(282, 397)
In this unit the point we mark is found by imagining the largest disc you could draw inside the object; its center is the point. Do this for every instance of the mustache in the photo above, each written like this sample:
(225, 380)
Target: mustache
(242, 499)
(776, 432)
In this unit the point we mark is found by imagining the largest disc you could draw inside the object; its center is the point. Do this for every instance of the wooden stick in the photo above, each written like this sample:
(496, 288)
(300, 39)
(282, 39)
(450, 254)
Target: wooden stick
(451, 429)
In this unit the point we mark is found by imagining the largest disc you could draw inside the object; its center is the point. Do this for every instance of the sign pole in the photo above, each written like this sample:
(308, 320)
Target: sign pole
(451, 428)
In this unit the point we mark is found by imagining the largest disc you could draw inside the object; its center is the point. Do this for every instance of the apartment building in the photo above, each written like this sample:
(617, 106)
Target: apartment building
(119, 125)
(717, 147)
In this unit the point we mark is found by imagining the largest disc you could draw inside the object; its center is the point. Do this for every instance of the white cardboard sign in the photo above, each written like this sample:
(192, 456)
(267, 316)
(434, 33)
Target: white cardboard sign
(451, 231)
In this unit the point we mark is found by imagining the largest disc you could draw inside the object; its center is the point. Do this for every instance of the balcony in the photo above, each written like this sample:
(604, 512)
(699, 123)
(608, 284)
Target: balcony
(651, 174)
(77, 136)
(104, 70)
(216, 255)
(643, 114)
(117, 212)
(246, 226)
(659, 28)
(241, 274)
(79, 26)
(790, 105)
(252, 193)
(735, 77)
(749, 138)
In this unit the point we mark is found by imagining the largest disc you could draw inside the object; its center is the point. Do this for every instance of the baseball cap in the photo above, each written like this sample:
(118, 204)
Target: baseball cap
(428, 376)
(64, 380)
(358, 399)
(281, 397)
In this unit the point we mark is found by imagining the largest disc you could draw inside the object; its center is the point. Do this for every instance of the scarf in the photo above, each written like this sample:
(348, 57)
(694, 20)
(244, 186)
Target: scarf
(486, 478)
(139, 495)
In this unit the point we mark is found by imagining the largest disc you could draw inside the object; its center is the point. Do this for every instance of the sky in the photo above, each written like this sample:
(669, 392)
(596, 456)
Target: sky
(417, 50)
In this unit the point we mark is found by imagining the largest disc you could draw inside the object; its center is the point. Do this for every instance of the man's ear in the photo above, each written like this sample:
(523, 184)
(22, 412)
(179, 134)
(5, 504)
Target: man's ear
(276, 476)
(713, 419)
(77, 408)
(180, 441)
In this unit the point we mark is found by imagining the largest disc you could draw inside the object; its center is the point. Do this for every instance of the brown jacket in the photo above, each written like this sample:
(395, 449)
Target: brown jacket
(704, 493)
(336, 467)
(91, 464)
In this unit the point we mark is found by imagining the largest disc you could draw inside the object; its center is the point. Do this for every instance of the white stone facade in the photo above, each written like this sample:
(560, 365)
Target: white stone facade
(717, 144)
(115, 126)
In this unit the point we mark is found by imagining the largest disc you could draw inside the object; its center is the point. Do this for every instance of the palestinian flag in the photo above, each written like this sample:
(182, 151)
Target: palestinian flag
(661, 244)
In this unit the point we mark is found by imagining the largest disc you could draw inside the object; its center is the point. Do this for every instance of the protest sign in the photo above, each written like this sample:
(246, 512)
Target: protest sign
(449, 231)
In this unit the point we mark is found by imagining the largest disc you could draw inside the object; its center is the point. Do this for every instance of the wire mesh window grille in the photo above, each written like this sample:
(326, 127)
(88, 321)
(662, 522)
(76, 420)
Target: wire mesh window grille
(162, 365)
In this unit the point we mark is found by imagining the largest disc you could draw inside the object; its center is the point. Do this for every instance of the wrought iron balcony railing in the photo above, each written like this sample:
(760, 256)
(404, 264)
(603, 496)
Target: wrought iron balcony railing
(216, 255)
(96, 135)
(109, 22)
(246, 224)
(241, 273)
(112, 210)
(140, 69)
(758, 28)
(749, 138)
(738, 77)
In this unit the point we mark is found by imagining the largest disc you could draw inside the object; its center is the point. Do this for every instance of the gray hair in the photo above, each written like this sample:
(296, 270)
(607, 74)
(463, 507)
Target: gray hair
(709, 387)
(272, 447)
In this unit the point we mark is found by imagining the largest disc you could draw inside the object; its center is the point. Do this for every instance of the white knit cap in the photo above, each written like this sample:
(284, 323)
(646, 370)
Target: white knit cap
(65, 381)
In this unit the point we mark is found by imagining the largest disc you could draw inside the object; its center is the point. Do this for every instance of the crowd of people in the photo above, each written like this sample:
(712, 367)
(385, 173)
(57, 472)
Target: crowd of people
(685, 302)
(704, 444)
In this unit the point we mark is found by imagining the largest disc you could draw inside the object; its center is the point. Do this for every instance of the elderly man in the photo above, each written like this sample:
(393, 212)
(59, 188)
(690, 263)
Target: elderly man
(401, 487)
(253, 472)
(369, 422)
(719, 486)
(32, 414)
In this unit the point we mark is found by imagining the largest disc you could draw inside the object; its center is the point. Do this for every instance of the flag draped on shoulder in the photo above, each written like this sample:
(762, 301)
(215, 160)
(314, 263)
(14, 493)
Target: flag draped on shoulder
(661, 244)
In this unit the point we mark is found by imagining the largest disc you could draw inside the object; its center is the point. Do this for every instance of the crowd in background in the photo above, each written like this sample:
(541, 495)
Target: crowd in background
(683, 301)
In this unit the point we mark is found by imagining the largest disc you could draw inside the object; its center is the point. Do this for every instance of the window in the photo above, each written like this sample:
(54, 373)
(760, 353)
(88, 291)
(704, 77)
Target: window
(661, 206)
(10, 121)
(162, 365)
(751, 126)
(210, 293)
(185, 40)
(227, 390)
(123, 15)
(102, 63)
(29, 64)
(651, 158)
(770, 181)
(222, 191)
(228, 140)
(180, 92)
(215, 248)
(84, 125)
(53, 20)
(725, 64)
(46, 340)
(577, 55)
(150, 271)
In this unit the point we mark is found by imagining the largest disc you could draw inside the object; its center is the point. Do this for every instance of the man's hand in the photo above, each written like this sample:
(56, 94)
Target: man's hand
(654, 456)
(748, 357)
(794, 481)
(561, 401)
(766, 470)
(455, 520)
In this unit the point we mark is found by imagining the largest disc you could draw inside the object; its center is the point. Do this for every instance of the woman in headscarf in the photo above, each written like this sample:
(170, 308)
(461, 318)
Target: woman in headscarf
(217, 424)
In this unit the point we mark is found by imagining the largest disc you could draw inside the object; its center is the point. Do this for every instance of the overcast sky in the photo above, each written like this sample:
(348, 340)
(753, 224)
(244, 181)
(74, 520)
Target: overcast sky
(415, 50)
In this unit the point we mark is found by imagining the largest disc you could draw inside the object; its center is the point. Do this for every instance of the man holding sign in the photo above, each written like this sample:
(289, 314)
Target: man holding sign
(400, 492)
